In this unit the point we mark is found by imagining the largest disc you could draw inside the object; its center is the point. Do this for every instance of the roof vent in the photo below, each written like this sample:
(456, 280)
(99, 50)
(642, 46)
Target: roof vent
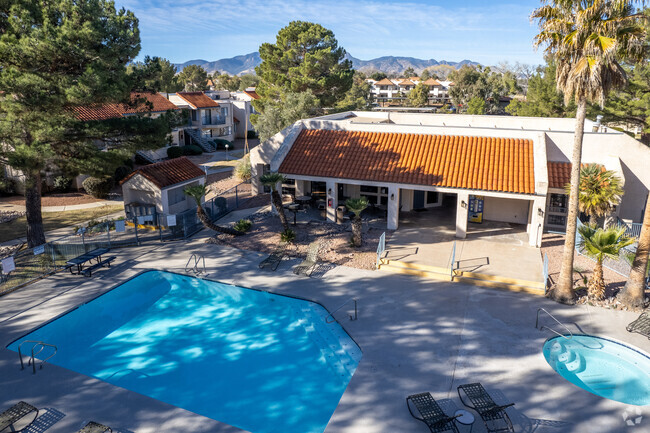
(599, 121)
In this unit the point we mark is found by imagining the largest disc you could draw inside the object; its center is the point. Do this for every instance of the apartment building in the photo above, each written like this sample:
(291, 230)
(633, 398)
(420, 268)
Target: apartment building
(388, 90)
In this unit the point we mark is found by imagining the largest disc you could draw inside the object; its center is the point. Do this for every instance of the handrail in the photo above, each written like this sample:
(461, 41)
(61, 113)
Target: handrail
(341, 306)
(32, 359)
(551, 329)
(197, 259)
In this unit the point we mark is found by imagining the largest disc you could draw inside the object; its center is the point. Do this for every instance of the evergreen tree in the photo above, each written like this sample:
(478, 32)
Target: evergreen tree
(378, 76)
(409, 72)
(477, 82)
(292, 107)
(193, 78)
(542, 99)
(419, 96)
(248, 80)
(54, 57)
(157, 75)
(476, 105)
(226, 82)
(358, 97)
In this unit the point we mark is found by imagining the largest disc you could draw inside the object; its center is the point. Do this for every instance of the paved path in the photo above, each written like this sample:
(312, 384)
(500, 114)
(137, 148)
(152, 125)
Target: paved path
(416, 335)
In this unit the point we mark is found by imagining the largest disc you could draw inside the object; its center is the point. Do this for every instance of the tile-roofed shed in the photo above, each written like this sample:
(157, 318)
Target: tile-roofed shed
(479, 163)
(167, 173)
(198, 99)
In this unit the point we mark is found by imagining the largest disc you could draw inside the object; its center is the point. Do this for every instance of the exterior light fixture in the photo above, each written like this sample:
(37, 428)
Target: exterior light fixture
(392, 196)
(540, 212)
(463, 204)
(329, 191)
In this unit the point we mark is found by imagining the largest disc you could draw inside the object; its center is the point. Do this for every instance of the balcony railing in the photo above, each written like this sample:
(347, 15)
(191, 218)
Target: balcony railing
(215, 120)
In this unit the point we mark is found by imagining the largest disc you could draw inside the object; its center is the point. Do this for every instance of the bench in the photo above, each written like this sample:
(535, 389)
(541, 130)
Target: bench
(107, 261)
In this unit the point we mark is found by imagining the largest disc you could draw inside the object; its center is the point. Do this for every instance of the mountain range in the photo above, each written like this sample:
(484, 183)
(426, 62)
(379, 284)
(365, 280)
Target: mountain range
(245, 64)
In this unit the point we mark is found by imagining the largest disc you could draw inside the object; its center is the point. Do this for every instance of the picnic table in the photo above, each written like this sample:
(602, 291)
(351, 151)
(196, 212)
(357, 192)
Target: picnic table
(81, 260)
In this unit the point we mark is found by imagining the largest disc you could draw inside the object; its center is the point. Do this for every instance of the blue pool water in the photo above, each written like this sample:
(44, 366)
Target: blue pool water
(261, 362)
(603, 367)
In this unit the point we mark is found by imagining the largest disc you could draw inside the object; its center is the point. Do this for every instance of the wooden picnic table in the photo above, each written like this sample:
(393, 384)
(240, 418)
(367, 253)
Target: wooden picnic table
(79, 261)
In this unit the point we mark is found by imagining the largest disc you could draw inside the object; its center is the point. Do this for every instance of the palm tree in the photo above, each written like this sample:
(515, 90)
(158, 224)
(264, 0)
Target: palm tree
(598, 244)
(271, 180)
(633, 293)
(197, 192)
(600, 190)
(356, 205)
(587, 39)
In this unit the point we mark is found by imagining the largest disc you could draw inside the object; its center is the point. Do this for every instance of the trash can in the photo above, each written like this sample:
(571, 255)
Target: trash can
(340, 213)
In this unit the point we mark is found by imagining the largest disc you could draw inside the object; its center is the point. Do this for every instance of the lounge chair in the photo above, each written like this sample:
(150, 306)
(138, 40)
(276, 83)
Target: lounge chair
(307, 266)
(640, 325)
(15, 413)
(274, 259)
(431, 413)
(94, 427)
(493, 415)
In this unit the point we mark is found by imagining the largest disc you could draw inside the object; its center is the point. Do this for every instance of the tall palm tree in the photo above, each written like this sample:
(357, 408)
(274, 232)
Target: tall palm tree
(587, 39)
(197, 192)
(600, 190)
(632, 294)
(271, 180)
(356, 205)
(599, 244)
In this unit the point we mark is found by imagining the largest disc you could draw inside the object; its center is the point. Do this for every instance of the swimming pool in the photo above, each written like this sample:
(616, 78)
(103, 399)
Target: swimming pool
(601, 366)
(261, 362)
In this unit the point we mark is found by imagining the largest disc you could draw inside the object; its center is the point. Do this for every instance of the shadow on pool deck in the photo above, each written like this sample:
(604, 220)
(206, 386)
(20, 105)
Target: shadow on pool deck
(416, 335)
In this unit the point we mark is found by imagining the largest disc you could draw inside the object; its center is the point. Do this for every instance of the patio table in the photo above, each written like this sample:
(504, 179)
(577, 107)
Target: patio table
(79, 261)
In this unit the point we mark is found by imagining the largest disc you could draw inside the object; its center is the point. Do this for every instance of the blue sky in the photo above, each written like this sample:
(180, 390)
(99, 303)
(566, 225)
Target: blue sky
(480, 30)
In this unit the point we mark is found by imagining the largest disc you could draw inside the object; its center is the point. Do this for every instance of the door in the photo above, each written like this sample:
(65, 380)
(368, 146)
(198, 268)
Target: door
(418, 199)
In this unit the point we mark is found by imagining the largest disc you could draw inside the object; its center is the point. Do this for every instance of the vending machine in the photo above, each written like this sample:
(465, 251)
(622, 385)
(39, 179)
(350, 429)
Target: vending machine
(475, 214)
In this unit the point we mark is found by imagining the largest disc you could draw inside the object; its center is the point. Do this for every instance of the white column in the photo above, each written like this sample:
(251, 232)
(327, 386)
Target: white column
(537, 222)
(331, 188)
(393, 208)
(462, 208)
(300, 188)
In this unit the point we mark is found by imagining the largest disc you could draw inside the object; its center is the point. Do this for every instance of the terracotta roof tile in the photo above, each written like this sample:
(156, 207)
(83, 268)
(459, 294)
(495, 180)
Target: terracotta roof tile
(384, 82)
(414, 78)
(168, 173)
(111, 111)
(198, 99)
(97, 112)
(252, 93)
(481, 163)
(559, 173)
(432, 82)
(406, 83)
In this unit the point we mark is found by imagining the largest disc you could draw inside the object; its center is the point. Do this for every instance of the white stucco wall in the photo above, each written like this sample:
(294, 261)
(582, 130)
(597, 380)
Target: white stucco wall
(506, 210)
(139, 189)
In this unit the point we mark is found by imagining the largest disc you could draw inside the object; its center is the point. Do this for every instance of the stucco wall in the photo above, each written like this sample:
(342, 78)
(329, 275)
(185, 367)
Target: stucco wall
(140, 190)
(506, 210)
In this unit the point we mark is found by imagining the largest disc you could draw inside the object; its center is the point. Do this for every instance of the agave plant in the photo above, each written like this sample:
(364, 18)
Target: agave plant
(599, 244)
(197, 192)
(356, 205)
(271, 180)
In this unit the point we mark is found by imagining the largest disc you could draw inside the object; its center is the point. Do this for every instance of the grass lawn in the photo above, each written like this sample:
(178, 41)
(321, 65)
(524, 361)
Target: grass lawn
(55, 220)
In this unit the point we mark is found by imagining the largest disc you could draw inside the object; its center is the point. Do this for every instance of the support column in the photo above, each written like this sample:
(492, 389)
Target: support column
(331, 189)
(537, 222)
(393, 208)
(462, 209)
(300, 188)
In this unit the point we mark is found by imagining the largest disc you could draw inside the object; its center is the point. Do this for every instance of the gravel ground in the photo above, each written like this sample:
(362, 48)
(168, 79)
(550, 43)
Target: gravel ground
(334, 241)
(553, 245)
(66, 199)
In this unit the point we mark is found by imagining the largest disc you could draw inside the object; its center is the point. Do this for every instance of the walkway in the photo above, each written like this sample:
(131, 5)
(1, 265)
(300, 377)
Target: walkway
(416, 335)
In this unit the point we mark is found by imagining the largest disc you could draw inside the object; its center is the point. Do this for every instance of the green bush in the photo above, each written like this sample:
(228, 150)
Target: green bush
(243, 169)
(221, 143)
(128, 162)
(288, 236)
(243, 225)
(62, 183)
(174, 152)
(121, 172)
(251, 134)
(98, 188)
(7, 186)
(140, 160)
(192, 149)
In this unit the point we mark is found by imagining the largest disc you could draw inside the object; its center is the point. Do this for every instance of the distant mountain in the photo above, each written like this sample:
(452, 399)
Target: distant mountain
(388, 64)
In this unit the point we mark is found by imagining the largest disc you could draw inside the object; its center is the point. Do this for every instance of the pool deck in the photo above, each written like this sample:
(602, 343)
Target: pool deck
(416, 335)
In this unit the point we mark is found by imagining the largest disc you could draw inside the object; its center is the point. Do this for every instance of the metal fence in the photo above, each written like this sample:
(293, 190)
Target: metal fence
(621, 266)
(29, 264)
(632, 230)
(381, 247)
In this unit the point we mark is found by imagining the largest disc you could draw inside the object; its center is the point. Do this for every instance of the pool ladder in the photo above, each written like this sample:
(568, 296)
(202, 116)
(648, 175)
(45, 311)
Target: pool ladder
(352, 317)
(539, 310)
(193, 263)
(32, 359)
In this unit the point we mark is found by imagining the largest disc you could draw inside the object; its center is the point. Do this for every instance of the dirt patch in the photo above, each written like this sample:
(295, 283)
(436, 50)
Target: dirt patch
(334, 241)
(63, 199)
(553, 246)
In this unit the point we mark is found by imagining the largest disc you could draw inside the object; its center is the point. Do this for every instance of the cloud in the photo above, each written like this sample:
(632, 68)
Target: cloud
(366, 28)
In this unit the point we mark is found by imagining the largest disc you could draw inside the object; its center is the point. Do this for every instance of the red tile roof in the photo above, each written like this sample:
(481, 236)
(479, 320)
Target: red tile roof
(432, 82)
(252, 93)
(559, 173)
(198, 99)
(482, 163)
(384, 82)
(111, 111)
(406, 83)
(168, 173)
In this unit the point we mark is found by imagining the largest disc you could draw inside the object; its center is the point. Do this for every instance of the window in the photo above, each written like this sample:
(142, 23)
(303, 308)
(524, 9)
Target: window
(224, 111)
(558, 203)
(194, 115)
(372, 189)
(207, 117)
(175, 195)
(556, 220)
(266, 170)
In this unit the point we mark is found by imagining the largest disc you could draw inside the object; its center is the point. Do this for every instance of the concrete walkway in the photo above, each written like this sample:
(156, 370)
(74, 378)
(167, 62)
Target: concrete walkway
(416, 335)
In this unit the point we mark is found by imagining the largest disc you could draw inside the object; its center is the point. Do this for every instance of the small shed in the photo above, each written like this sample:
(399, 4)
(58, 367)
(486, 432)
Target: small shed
(158, 188)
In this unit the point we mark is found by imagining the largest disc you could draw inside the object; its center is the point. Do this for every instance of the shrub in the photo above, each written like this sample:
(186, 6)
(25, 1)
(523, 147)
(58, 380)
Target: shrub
(140, 160)
(174, 152)
(128, 162)
(221, 143)
(243, 169)
(62, 183)
(98, 188)
(251, 134)
(192, 149)
(243, 225)
(7, 186)
(288, 236)
(121, 172)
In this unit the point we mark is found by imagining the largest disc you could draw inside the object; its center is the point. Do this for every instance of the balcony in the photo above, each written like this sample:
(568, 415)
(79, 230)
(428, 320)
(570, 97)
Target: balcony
(213, 120)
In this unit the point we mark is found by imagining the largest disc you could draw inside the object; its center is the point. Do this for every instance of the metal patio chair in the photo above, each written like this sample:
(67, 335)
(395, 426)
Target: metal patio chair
(307, 266)
(431, 413)
(274, 259)
(493, 415)
(94, 427)
(640, 325)
(15, 413)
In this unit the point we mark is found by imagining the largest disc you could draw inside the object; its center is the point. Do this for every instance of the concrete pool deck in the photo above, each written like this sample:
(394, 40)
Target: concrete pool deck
(416, 335)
